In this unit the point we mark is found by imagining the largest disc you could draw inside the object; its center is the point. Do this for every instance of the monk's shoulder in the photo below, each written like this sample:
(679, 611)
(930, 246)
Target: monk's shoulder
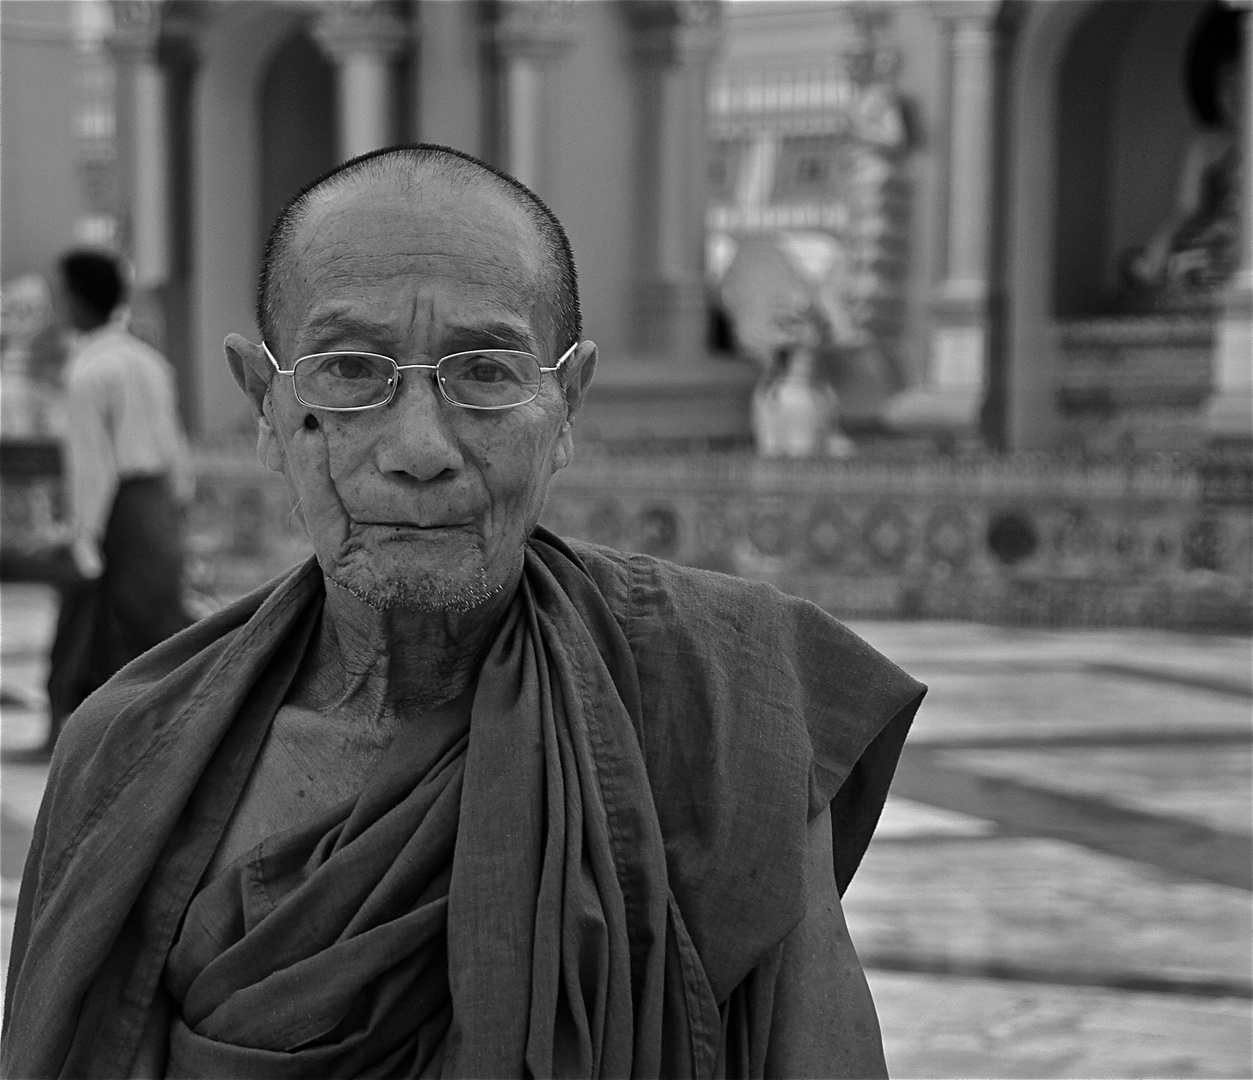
(104, 737)
(739, 674)
(717, 617)
(666, 596)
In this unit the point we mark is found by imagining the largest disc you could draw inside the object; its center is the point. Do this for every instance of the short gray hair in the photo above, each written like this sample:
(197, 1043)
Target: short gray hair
(446, 164)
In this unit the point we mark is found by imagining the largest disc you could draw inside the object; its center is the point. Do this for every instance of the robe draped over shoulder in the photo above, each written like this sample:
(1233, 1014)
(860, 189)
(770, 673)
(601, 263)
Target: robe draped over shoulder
(594, 879)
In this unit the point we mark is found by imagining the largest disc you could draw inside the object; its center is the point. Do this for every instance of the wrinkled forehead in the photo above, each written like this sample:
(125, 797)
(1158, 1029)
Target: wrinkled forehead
(401, 245)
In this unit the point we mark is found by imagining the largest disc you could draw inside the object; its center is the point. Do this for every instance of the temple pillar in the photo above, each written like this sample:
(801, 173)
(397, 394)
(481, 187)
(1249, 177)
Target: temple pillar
(363, 38)
(665, 388)
(947, 404)
(144, 159)
(674, 45)
(143, 162)
(530, 37)
(1229, 415)
(96, 125)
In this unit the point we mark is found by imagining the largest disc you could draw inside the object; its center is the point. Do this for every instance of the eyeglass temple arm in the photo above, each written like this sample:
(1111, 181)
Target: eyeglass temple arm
(564, 357)
(281, 371)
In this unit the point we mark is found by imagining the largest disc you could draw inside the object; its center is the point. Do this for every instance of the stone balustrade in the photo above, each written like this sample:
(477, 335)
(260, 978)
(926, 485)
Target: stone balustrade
(1021, 539)
(1165, 541)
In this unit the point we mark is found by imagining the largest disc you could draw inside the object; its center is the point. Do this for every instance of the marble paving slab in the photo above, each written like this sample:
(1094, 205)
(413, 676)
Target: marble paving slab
(1058, 703)
(1212, 785)
(962, 1027)
(1046, 904)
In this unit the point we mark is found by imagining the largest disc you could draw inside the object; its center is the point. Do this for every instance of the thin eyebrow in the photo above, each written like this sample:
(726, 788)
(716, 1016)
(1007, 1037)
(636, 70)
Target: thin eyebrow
(333, 322)
(505, 335)
(342, 322)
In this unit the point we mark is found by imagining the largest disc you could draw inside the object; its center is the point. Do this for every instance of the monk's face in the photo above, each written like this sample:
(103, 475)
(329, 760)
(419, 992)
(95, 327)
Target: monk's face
(417, 504)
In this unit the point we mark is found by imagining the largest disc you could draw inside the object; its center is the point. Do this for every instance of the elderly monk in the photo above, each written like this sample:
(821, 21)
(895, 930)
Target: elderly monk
(456, 797)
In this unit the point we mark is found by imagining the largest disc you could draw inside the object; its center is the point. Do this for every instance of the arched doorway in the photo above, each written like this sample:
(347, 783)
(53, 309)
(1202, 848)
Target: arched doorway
(297, 122)
(1124, 127)
(237, 49)
(1098, 121)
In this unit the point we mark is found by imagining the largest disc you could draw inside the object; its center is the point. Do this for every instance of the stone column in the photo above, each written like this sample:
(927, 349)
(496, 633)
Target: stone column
(1229, 415)
(144, 139)
(363, 38)
(96, 124)
(530, 37)
(948, 403)
(674, 44)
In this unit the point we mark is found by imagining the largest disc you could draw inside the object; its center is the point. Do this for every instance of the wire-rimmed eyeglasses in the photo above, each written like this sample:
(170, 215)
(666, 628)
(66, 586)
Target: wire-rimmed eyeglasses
(349, 381)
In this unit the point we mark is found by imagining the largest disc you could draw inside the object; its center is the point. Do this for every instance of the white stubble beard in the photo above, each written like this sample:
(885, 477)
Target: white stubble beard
(432, 593)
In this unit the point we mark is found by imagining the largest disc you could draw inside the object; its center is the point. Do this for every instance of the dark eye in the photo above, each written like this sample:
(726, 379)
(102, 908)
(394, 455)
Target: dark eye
(485, 369)
(351, 366)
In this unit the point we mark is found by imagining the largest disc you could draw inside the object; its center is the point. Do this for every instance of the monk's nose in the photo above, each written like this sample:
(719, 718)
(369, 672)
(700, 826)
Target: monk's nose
(419, 438)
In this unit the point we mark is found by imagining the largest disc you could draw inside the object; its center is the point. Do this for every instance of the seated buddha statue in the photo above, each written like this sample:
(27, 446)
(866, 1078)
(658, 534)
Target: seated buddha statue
(1196, 249)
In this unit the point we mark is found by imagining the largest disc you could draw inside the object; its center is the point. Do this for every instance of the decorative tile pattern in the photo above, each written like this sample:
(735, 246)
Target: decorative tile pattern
(1030, 539)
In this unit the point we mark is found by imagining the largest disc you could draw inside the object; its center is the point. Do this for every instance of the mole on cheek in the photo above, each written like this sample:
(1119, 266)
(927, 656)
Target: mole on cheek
(311, 422)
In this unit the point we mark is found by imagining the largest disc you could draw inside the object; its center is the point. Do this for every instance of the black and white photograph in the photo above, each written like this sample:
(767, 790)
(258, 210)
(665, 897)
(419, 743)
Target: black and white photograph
(626, 538)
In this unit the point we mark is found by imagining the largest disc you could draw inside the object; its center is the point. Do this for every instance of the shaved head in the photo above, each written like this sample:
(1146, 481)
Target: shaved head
(415, 166)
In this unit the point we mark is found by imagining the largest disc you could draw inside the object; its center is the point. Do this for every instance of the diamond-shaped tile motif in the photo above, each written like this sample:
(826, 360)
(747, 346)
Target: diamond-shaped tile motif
(888, 534)
(829, 535)
(949, 536)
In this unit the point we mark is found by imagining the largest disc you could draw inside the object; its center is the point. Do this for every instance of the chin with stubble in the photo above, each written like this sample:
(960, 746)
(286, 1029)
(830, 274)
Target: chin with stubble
(453, 593)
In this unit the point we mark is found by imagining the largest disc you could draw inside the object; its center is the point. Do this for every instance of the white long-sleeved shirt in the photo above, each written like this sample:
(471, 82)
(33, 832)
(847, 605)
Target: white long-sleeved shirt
(123, 422)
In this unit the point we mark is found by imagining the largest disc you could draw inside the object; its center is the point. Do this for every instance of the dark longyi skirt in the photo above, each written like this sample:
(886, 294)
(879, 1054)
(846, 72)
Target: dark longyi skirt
(135, 604)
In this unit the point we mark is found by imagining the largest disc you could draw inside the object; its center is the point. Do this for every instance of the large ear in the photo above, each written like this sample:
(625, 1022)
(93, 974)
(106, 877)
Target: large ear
(578, 378)
(253, 371)
(251, 368)
(579, 371)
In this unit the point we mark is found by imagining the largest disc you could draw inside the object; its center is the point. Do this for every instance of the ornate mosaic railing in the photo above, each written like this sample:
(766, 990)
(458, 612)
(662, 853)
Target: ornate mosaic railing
(1024, 539)
(1166, 541)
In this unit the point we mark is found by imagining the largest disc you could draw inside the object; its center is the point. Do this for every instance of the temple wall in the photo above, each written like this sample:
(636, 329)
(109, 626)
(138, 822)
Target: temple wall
(226, 213)
(590, 184)
(1040, 49)
(40, 198)
(449, 94)
(1085, 151)
(297, 134)
(921, 77)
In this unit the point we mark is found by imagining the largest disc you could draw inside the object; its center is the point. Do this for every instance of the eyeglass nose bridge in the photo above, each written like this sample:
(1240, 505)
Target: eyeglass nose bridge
(397, 377)
(438, 379)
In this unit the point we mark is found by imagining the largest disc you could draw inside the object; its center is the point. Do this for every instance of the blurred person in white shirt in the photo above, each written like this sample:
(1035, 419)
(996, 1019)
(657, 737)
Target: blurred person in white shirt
(128, 477)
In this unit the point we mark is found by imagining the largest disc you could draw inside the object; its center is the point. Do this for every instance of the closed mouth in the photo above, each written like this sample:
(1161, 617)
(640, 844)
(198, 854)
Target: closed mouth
(413, 526)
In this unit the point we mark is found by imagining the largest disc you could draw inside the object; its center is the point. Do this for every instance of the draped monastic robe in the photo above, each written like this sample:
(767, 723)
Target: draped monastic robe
(599, 875)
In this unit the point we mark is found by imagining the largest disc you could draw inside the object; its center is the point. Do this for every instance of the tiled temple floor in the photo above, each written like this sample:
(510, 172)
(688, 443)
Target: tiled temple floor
(1061, 882)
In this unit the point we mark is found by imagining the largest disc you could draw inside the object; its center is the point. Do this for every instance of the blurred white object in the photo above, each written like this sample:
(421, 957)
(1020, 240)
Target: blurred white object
(794, 412)
(759, 276)
(29, 407)
(87, 558)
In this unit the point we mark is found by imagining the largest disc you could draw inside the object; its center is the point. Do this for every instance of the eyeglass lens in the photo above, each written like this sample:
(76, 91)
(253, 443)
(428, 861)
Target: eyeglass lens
(489, 379)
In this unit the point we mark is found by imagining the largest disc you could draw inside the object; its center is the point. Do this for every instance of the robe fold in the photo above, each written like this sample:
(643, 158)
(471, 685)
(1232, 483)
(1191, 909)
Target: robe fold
(596, 877)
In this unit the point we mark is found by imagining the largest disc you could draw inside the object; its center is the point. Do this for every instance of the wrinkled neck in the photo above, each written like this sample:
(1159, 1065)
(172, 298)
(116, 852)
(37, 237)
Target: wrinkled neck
(398, 660)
